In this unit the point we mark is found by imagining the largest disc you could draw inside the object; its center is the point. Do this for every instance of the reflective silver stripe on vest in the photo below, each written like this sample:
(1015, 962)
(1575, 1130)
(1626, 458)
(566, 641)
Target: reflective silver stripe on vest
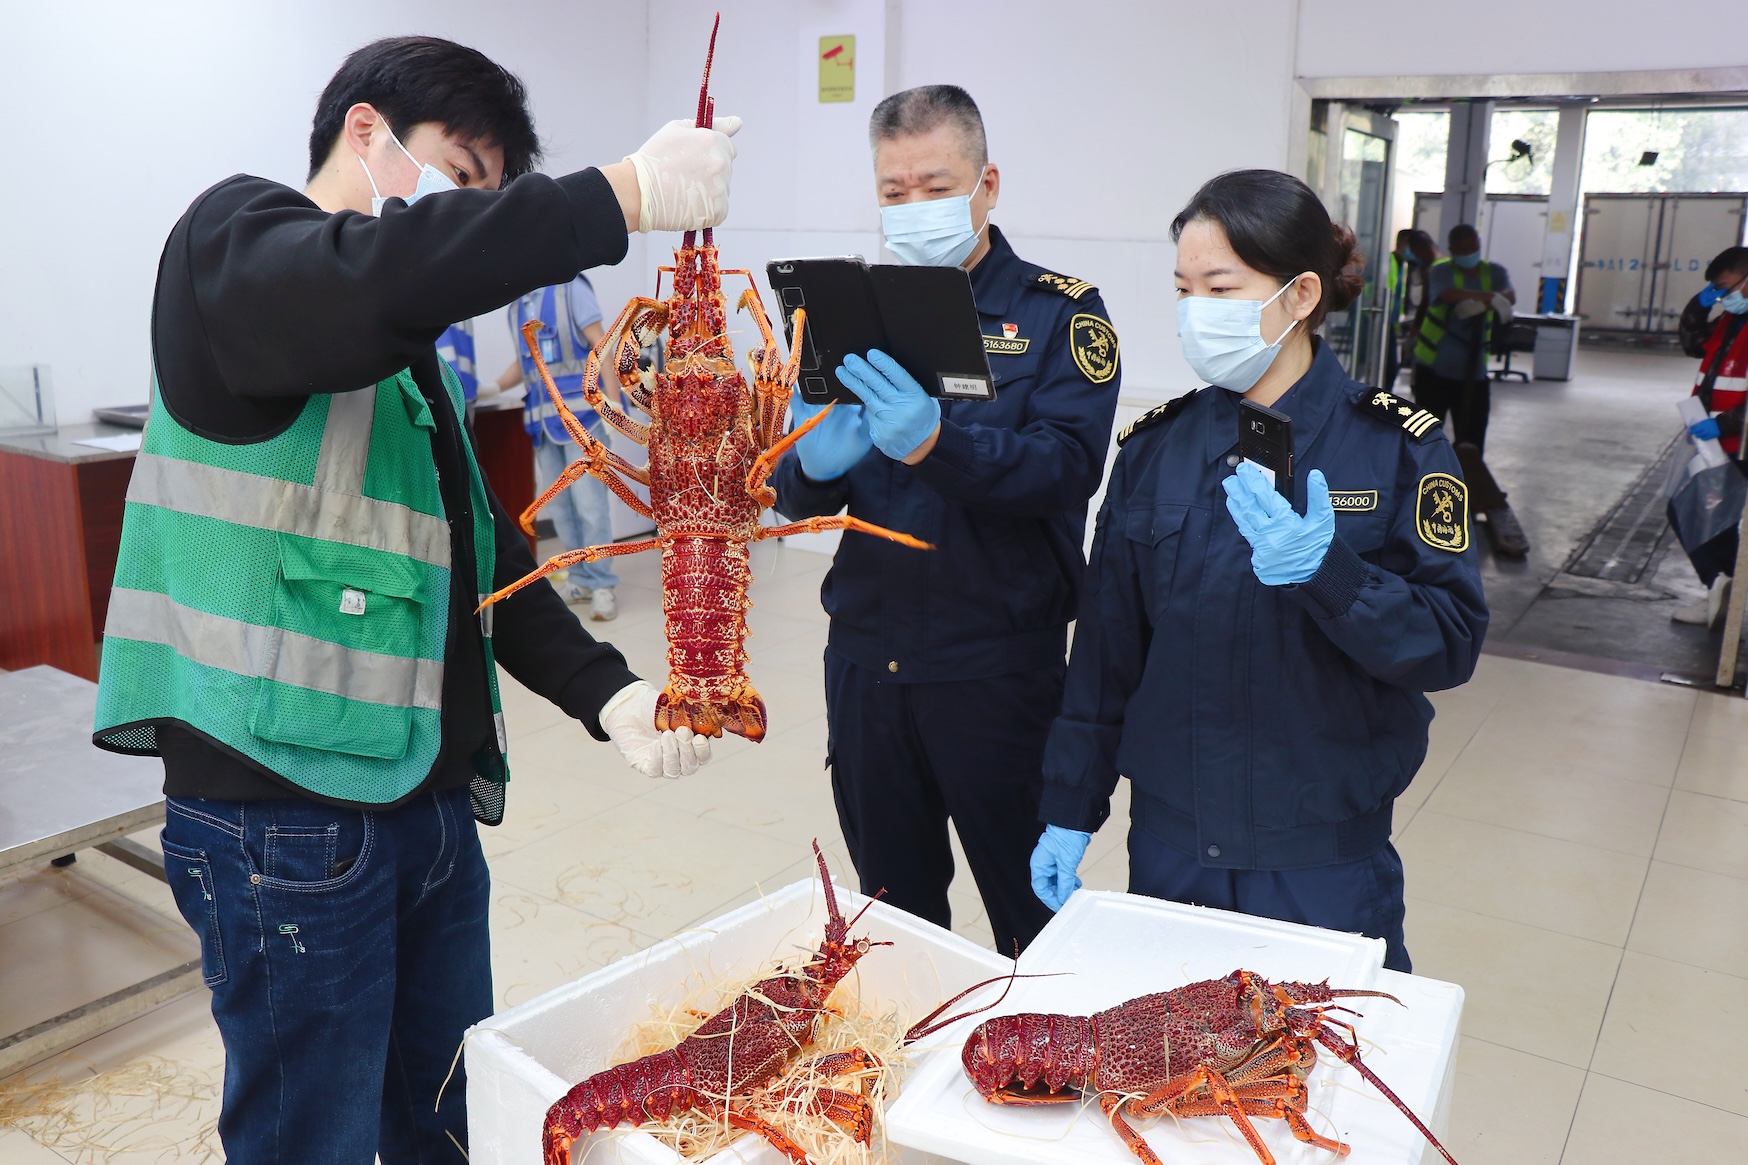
(345, 449)
(248, 499)
(267, 652)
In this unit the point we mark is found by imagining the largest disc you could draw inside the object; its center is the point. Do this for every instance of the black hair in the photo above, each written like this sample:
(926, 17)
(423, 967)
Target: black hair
(1462, 230)
(1730, 260)
(411, 80)
(920, 110)
(1279, 227)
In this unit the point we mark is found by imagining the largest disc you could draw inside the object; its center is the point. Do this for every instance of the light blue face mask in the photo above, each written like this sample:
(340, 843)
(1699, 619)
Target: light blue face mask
(431, 179)
(936, 233)
(1222, 338)
(1467, 262)
(1736, 303)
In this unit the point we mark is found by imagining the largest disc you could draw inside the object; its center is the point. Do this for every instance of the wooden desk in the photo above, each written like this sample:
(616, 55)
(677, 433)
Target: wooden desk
(60, 532)
(506, 455)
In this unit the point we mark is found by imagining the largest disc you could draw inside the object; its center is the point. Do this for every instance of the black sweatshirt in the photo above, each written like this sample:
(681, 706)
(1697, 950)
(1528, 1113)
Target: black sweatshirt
(264, 300)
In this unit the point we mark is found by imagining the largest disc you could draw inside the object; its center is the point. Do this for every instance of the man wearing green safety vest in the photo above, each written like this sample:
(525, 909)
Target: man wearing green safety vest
(1464, 295)
(306, 538)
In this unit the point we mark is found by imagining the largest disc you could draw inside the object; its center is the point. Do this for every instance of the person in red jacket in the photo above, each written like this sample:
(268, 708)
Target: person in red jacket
(1718, 314)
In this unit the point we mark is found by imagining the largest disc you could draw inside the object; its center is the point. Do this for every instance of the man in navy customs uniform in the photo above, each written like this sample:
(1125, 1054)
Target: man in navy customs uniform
(944, 668)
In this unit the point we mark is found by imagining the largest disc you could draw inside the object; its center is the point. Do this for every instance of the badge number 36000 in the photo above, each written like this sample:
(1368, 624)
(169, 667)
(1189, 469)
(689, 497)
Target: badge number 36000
(1441, 513)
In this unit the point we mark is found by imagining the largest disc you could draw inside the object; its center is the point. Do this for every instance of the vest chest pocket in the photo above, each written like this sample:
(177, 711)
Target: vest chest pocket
(341, 670)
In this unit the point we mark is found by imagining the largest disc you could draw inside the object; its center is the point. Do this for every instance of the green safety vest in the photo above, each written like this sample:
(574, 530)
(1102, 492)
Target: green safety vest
(289, 598)
(1432, 327)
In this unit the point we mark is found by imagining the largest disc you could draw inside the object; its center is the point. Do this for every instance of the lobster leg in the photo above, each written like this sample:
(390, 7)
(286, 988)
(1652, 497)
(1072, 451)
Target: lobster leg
(570, 558)
(842, 522)
(742, 1119)
(1112, 1104)
(1223, 1096)
(632, 321)
(600, 462)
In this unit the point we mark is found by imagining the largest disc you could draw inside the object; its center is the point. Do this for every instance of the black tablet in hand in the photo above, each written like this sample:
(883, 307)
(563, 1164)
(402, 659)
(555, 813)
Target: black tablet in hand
(923, 317)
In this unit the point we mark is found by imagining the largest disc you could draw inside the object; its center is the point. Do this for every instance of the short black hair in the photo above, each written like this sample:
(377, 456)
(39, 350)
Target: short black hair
(1278, 226)
(1462, 230)
(1731, 260)
(920, 110)
(416, 79)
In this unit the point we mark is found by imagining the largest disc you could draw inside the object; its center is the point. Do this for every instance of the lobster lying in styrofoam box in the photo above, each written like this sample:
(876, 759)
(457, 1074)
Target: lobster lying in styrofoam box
(523, 1060)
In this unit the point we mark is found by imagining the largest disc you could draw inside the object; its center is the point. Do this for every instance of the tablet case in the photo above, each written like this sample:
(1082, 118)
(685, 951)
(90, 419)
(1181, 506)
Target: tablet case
(923, 317)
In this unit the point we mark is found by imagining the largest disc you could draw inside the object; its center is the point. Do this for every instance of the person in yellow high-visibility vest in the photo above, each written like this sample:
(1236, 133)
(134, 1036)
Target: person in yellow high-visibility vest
(1464, 294)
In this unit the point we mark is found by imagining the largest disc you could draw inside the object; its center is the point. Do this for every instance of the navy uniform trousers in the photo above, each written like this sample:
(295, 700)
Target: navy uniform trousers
(906, 757)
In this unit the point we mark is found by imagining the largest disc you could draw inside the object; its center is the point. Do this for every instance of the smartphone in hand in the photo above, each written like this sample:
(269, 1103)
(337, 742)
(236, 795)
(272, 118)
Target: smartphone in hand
(1265, 439)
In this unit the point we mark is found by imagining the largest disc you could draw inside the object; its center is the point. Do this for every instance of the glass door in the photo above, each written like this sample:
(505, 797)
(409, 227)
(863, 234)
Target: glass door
(1360, 334)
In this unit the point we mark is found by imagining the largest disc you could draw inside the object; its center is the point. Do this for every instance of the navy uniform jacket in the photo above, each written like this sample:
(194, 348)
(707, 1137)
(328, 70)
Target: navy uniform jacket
(1002, 496)
(1267, 727)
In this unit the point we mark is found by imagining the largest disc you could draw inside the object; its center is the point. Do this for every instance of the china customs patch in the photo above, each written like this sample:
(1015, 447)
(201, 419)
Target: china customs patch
(1441, 512)
(1094, 343)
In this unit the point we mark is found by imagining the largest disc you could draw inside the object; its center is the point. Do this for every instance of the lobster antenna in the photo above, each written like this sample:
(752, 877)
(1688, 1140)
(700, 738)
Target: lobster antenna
(707, 108)
(1350, 1053)
(927, 1025)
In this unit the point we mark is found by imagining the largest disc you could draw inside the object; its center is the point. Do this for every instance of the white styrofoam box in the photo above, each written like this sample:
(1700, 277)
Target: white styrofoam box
(1114, 947)
(521, 1060)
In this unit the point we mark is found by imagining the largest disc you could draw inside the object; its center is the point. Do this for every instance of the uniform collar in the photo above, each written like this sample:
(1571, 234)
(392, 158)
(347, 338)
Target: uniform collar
(1309, 402)
(996, 275)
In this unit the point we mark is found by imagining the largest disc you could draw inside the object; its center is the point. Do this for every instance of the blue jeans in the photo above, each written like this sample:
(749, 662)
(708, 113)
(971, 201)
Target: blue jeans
(582, 514)
(1359, 897)
(347, 951)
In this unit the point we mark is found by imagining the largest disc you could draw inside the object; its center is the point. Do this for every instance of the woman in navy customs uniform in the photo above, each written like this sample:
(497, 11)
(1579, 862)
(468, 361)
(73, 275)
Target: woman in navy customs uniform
(1259, 673)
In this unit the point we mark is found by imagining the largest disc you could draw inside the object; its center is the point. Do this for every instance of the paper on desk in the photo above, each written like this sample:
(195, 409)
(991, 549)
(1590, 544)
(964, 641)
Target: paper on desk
(122, 443)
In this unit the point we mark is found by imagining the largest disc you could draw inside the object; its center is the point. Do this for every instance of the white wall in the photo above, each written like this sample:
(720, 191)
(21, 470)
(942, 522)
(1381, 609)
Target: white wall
(1103, 114)
(1387, 38)
(120, 113)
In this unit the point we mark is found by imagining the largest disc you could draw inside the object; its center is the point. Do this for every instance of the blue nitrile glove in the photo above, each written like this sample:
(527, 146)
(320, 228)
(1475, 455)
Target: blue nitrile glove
(1706, 430)
(1710, 295)
(901, 415)
(834, 446)
(1284, 547)
(1054, 863)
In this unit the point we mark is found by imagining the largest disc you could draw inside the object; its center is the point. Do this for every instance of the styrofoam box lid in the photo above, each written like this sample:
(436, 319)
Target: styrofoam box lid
(1115, 947)
(522, 1059)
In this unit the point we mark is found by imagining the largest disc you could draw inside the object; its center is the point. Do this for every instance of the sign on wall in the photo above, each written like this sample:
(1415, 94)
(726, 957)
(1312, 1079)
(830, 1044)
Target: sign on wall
(837, 68)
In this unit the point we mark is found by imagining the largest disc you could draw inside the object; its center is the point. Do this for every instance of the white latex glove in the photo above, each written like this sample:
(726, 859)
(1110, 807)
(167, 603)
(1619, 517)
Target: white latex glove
(629, 720)
(682, 176)
(1469, 309)
(1502, 307)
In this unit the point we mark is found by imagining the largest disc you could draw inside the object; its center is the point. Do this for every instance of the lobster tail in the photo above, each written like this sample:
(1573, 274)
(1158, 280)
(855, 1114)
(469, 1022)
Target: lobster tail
(647, 1089)
(704, 586)
(1039, 1053)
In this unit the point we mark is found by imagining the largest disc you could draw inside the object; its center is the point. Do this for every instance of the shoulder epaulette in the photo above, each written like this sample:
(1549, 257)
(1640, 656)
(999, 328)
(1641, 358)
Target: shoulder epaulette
(1063, 284)
(1404, 414)
(1154, 416)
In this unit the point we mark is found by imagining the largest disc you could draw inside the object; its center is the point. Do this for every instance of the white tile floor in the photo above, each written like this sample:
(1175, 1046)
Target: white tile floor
(1577, 852)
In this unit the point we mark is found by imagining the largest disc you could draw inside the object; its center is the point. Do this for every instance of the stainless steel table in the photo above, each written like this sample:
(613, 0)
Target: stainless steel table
(59, 794)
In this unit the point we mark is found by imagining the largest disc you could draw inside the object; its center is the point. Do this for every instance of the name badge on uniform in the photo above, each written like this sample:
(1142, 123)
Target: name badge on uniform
(351, 601)
(1441, 512)
(966, 387)
(1353, 501)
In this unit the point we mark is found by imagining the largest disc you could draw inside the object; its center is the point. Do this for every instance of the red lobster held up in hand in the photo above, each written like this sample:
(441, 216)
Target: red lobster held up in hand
(1238, 1047)
(735, 1053)
(714, 441)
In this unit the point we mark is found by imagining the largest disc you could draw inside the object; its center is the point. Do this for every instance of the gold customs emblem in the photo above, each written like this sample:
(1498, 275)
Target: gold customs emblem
(1094, 343)
(1441, 514)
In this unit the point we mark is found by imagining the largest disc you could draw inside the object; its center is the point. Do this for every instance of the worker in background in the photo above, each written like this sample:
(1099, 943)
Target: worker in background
(570, 325)
(306, 539)
(455, 345)
(944, 668)
(1397, 273)
(1712, 330)
(1257, 668)
(1464, 295)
